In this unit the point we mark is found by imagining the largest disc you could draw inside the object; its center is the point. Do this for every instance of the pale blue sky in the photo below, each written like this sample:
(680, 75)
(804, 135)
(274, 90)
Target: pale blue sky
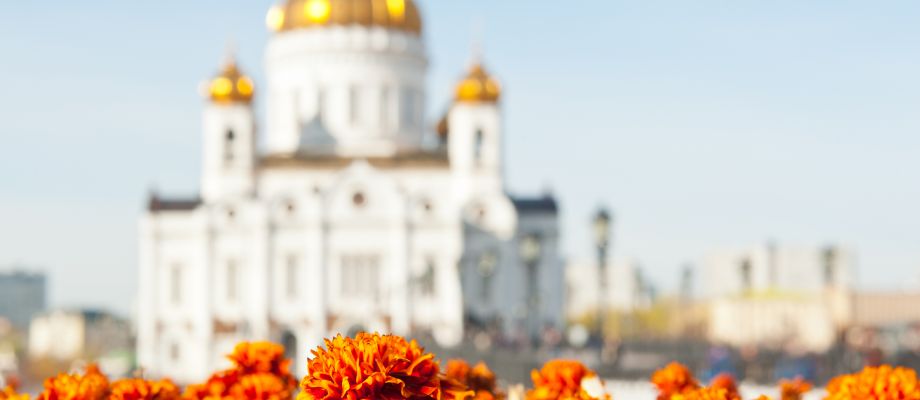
(703, 123)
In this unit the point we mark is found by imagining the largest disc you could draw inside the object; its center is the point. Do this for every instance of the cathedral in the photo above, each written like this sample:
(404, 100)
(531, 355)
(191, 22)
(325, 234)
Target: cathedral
(347, 209)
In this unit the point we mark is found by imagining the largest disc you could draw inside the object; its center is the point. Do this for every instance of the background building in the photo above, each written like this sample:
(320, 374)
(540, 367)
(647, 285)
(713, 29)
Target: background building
(771, 267)
(627, 289)
(22, 296)
(778, 296)
(63, 337)
(355, 216)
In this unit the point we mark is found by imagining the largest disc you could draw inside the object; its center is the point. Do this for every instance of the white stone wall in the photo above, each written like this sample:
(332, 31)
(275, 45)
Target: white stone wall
(802, 323)
(308, 251)
(366, 86)
(57, 335)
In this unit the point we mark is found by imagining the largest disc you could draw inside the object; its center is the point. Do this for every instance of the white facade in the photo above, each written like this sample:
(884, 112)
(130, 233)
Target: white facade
(769, 267)
(780, 296)
(354, 217)
(57, 335)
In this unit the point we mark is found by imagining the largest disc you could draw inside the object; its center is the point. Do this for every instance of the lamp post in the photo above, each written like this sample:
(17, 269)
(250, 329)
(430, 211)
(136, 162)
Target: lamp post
(530, 251)
(602, 222)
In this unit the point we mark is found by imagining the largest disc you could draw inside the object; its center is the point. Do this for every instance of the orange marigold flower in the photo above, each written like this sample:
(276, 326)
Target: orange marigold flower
(706, 393)
(8, 393)
(91, 385)
(140, 389)
(875, 383)
(480, 379)
(458, 369)
(217, 387)
(260, 357)
(374, 366)
(674, 379)
(262, 387)
(726, 381)
(793, 389)
(566, 380)
(259, 372)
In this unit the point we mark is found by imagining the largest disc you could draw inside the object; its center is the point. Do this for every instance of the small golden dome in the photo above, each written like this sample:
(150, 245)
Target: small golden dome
(478, 87)
(230, 85)
(400, 15)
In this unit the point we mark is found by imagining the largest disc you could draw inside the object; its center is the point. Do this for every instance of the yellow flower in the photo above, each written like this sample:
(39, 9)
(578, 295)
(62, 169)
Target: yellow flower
(8, 393)
(793, 389)
(91, 385)
(875, 383)
(674, 379)
(566, 380)
(374, 366)
(140, 389)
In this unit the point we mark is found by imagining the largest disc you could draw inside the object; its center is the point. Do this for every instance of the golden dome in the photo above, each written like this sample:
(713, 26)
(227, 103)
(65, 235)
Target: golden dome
(478, 87)
(230, 85)
(400, 15)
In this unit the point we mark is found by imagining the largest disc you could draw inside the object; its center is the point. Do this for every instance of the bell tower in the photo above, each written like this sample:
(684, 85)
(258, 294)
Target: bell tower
(474, 133)
(229, 142)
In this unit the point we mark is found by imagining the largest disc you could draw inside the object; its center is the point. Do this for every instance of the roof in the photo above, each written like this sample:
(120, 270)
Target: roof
(545, 204)
(158, 204)
(401, 15)
(419, 159)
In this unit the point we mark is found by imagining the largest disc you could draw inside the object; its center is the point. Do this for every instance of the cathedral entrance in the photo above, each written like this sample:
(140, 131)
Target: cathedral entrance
(289, 341)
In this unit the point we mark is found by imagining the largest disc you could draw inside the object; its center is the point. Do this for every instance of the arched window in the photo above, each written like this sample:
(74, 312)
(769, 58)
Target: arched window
(291, 266)
(175, 284)
(478, 145)
(427, 279)
(354, 105)
(228, 145)
(232, 281)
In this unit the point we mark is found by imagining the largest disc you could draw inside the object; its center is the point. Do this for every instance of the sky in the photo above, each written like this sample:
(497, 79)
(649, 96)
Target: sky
(703, 125)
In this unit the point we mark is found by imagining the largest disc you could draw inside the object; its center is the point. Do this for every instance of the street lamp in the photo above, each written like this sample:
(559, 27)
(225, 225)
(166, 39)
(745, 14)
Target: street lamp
(530, 251)
(602, 222)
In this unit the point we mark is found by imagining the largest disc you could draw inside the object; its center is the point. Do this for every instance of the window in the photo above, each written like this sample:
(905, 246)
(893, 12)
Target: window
(478, 145)
(359, 277)
(830, 266)
(228, 146)
(407, 108)
(175, 284)
(175, 352)
(232, 281)
(290, 274)
(358, 199)
(354, 105)
(385, 110)
(746, 275)
(426, 282)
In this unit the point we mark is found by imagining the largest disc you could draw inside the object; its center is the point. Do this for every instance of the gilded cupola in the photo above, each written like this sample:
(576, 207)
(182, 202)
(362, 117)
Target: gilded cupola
(478, 87)
(401, 15)
(231, 85)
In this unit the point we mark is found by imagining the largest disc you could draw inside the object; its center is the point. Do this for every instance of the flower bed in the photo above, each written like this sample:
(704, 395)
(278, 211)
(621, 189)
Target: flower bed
(388, 367)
